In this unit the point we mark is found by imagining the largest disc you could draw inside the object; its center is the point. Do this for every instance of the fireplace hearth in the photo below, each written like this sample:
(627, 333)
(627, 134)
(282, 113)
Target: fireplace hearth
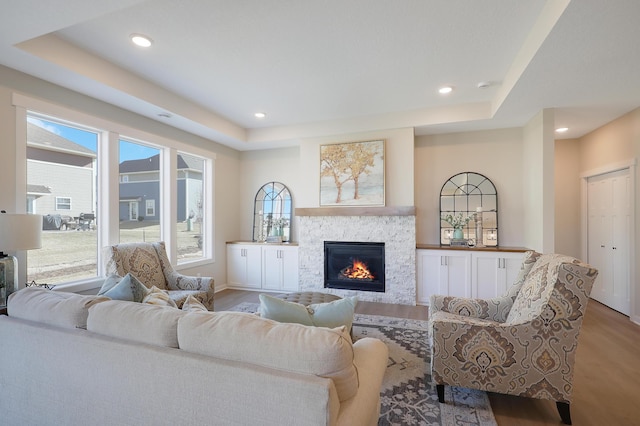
(354, 265)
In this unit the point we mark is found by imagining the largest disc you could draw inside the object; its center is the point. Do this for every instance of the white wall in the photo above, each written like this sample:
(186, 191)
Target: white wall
(496, 154)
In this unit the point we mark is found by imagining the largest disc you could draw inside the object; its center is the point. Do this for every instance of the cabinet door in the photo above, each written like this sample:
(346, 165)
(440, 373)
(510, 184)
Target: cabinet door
(272, 271)
(236, 265)
(444, 272)
(455, 276)
(243, 266)
(427, 274)
(280, 268)
(493, 273)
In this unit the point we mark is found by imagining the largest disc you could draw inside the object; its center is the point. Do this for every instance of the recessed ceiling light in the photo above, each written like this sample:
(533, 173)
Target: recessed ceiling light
(561, 129)
(445, 90)
(141, 40)
(260, 115)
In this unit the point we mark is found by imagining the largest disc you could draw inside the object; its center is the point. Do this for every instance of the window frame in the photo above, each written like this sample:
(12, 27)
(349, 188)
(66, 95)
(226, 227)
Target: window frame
(58, 204)
(107, 178)
(151, 203)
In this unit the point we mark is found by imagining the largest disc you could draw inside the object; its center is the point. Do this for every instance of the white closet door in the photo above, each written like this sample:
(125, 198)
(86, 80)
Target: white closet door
(609, 226)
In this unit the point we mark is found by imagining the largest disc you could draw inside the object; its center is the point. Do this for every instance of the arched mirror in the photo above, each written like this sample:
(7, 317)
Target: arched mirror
(469, 202)
(272, 213)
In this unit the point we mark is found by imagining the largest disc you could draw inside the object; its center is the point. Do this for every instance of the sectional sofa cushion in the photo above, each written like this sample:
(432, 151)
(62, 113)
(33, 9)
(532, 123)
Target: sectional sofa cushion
(63, 309)
(152, 324)
(249, 338)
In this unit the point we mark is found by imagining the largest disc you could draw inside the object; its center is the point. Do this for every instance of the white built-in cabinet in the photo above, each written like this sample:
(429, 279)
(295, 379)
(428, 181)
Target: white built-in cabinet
(465, 273)
(262, 266)
(244, 265)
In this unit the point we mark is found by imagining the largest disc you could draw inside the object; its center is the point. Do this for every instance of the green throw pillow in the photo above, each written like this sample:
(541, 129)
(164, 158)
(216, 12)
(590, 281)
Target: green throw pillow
(123, 288)
(331, 314)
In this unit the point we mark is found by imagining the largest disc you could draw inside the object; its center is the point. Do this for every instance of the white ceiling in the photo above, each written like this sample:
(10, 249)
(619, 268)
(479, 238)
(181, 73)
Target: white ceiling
(333, 66)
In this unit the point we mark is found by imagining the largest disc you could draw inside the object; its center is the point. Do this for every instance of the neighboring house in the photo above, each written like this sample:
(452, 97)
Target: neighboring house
(140, 188)
(52, 163)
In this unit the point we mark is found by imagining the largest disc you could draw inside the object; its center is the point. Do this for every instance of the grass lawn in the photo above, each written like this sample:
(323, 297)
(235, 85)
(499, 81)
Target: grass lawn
(71, 255)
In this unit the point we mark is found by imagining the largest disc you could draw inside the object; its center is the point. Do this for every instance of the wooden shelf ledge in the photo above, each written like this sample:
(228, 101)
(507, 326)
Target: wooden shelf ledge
(357, 211)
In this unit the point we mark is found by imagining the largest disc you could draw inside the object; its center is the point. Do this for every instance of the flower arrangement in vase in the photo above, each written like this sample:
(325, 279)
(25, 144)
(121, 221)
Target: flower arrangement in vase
(457, 222)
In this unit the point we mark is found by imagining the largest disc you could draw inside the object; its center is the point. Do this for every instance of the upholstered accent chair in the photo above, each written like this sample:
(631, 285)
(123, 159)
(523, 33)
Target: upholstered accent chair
(149, 263)
(521, 344)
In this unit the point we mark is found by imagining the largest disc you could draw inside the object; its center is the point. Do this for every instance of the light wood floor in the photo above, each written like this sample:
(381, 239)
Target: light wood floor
(606, 384)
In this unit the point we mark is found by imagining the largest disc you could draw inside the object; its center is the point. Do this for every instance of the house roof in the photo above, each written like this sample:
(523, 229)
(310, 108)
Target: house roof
(42, 138)
(326, 68)
(38, 189)
(153, 164)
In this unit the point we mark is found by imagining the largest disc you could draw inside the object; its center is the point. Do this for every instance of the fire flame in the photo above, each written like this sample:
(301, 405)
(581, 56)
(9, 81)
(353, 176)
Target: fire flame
(357, 271)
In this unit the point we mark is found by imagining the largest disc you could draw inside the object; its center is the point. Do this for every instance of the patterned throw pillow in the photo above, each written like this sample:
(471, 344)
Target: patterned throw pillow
(159, 297)
(191, 304)
(331, 314)
(127, 288)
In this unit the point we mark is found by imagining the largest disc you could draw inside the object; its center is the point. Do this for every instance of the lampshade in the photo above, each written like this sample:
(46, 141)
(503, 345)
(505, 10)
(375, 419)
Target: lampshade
(20, 231)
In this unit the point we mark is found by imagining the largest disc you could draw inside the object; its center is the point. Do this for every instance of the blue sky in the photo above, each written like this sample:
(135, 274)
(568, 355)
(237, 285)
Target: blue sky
(128, 150)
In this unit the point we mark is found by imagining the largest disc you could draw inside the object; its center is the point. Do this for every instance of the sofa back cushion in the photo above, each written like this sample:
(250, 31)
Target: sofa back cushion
(59, 308)
(140, 322)
(296, 348)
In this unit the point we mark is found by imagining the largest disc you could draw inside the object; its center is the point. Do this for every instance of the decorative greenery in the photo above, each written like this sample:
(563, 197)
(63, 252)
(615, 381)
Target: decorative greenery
(458, 222)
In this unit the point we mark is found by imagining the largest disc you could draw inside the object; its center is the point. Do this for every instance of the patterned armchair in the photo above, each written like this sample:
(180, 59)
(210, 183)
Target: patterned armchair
(521, 344)
(149, 263)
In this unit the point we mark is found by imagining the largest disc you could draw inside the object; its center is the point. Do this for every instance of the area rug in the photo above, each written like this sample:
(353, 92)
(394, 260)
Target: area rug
(407, 396)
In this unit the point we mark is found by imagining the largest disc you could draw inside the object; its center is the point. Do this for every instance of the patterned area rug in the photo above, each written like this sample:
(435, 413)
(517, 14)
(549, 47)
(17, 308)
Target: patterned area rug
(407, 396)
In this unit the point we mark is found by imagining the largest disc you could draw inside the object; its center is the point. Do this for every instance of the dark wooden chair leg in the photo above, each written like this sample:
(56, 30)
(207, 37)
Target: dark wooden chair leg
(565, 413)
(440, 390)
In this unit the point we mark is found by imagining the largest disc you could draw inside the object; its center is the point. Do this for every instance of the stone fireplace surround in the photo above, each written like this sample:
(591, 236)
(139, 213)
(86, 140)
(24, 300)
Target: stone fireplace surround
(394, 226)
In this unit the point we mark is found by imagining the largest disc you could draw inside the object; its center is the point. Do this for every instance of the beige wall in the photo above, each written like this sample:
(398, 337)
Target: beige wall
(496, 154)
(399, 186)
(260, 167)
(567, 198)
(610, 144)
(538, 182)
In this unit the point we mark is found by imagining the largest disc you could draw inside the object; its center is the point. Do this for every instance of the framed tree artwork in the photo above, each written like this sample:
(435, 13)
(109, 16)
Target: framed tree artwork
(352, 174)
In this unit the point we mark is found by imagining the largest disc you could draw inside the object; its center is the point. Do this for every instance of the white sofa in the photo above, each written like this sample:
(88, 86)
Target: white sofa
(77, 360)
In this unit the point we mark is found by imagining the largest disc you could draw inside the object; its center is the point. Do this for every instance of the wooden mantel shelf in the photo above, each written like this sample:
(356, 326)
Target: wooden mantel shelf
(357, 211)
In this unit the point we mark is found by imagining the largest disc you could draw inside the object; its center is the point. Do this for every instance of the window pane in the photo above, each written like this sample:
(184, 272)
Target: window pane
(190, 202)
(61, 186)
(139, 189)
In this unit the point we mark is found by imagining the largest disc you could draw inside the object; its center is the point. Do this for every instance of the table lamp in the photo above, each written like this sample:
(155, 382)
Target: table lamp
(17, 232)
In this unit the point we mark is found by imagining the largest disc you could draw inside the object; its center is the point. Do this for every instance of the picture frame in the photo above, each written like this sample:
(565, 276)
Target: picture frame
(352, 174)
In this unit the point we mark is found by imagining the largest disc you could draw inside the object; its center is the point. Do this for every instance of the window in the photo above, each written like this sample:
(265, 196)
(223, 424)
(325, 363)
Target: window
(140, 163)
(190, 205)
(63, 203)
(68, 160)
(151, 208)
(61, 166)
